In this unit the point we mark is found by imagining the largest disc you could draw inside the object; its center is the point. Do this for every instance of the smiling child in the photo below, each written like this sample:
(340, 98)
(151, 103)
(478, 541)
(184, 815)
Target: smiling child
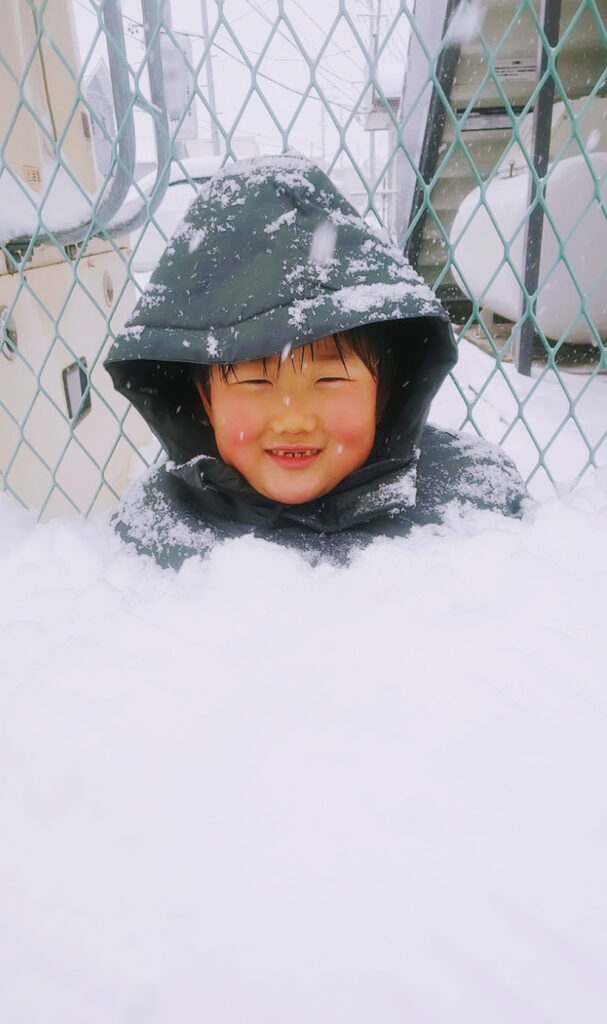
(294, 427)
(287, 357)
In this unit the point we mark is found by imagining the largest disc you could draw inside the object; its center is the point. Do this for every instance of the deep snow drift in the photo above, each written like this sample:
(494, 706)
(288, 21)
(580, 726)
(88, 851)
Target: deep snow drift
(258, 792)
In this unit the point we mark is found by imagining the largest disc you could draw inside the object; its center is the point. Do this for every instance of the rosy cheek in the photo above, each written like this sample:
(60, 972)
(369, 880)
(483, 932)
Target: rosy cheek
(348, 424)
(237, 423)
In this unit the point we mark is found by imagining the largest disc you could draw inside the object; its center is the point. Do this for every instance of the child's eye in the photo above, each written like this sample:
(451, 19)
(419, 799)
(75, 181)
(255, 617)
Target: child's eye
(255, 380)
(330, 380)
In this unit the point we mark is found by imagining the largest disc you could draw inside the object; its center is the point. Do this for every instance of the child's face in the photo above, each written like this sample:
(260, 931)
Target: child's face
(299, 427)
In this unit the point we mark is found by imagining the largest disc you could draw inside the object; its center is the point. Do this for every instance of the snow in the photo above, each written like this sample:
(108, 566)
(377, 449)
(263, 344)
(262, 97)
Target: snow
(285, 218)
(361, 298)
(402, 491)
(323, 244)
(196, 239)
(593, 140)
(465, 24)
(256, 790)
(259, 791)
(59, 205)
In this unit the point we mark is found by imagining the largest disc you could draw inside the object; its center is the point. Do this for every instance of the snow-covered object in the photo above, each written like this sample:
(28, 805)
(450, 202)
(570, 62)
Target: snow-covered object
(488, 238)
(60, 203)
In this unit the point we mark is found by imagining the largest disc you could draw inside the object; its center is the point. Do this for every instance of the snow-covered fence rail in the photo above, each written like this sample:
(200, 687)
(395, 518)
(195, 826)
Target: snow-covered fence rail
(475, 135)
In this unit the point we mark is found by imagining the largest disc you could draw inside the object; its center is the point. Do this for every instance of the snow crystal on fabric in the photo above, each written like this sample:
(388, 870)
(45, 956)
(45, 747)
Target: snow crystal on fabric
(152, 296)
(299, 310)
(133, 331)
(155, 525)
(393, 496)
(339, 217)
(285, 218)
(363, 297)
(486, 471)
(287, 171)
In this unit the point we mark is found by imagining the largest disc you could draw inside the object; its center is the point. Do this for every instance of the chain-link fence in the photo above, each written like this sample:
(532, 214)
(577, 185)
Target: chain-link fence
(474, 134)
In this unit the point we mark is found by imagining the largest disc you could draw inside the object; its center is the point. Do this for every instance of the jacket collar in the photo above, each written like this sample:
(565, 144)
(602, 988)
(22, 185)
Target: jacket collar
(382, 487)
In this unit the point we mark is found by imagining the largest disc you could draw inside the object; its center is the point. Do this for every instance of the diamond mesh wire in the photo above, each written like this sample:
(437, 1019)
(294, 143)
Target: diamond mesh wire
(427, 116)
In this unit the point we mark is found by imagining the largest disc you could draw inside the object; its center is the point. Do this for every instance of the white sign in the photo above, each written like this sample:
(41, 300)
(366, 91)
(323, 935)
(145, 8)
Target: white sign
(179, 83)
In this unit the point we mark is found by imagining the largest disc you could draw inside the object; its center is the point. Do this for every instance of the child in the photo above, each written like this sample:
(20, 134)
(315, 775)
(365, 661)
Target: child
(286, 358)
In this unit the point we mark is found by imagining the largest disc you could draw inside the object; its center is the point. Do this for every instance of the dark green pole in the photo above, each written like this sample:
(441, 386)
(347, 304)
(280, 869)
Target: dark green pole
(542, 126)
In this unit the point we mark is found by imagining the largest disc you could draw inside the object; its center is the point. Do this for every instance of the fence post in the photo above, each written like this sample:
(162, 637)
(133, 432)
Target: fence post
(443, 77)
(542, 128)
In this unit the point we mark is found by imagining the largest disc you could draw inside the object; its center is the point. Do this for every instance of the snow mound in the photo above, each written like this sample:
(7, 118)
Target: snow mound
(258, 791)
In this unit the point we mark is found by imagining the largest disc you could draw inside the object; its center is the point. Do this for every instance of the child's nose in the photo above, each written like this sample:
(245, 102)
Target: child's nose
(294, 417)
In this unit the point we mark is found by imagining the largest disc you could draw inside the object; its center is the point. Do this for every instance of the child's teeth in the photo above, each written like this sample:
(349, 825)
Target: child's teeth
(294, 455)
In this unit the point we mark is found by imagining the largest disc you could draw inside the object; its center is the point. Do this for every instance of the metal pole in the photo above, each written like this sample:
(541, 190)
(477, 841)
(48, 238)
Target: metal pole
(373, 49)
(179, 148)
(210, 79)
(542, 127)
(446, 65)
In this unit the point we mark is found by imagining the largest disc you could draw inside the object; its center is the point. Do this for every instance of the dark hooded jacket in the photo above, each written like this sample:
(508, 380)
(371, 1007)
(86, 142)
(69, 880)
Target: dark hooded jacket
(270, 255)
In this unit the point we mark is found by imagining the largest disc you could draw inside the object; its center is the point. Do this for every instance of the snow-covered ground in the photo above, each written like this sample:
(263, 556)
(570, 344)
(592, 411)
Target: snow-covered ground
(565, 414)
(256, 791)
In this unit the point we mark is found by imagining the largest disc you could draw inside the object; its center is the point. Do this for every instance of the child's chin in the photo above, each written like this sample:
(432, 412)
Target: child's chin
(294, 495)
(286, 498)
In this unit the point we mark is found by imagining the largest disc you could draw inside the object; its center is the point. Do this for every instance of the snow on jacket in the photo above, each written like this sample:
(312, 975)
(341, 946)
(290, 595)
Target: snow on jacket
(270, 255)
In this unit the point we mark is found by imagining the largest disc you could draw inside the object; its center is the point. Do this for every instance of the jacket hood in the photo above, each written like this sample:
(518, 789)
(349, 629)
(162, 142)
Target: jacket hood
(270, 254)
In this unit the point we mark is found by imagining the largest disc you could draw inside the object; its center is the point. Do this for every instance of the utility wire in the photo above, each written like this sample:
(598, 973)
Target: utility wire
(297, 60)
(259, 74)
(323, 31)
(322, 71)
(247, 13)
(289, 88)
(256, 7)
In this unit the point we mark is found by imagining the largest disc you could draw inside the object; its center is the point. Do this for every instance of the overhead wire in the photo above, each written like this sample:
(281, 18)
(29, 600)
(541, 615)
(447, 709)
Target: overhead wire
(289, 88)
(322, 30)
(246, 14)
(396, 43)
(256, 7)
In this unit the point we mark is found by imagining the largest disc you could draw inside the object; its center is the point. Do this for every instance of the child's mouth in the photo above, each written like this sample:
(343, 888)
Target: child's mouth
(293, 458)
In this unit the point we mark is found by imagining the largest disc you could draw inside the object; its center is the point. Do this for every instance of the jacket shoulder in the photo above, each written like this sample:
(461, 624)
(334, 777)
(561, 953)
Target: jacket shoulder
(460, 468)
(156, 522)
